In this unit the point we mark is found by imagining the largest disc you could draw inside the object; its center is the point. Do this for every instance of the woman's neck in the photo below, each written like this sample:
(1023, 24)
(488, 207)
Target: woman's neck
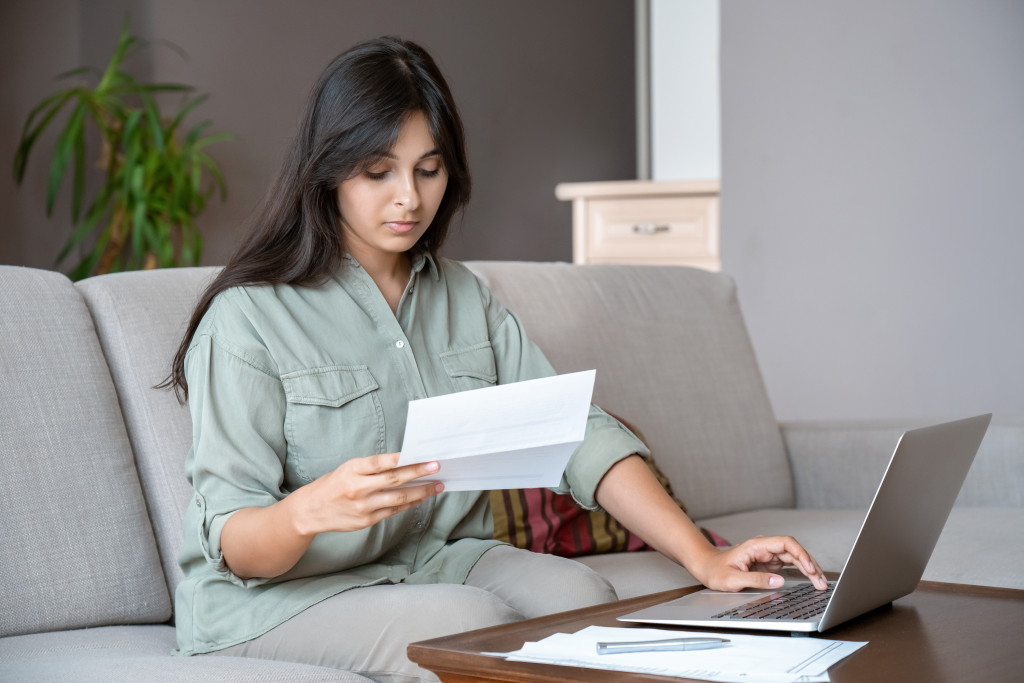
(390, 272)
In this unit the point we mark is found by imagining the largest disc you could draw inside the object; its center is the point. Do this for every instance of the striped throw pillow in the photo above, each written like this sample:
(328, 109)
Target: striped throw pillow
(547, 522)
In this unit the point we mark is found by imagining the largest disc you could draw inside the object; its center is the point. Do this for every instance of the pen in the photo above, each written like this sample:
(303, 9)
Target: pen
(661, 645)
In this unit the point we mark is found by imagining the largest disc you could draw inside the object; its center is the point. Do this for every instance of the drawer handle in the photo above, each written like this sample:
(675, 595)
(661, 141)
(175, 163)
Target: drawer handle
(650, 228)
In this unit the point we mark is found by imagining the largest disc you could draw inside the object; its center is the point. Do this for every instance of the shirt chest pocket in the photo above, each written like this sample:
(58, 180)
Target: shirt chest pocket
(471, 367)
(334, 414)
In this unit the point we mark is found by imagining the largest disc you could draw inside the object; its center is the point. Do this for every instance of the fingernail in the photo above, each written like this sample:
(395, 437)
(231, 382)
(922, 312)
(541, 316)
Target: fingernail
(433, 466)
(776, 582)
(438, 487)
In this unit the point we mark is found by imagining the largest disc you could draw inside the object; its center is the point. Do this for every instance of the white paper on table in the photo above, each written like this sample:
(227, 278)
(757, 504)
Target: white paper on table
(518, 435)
(746, 659)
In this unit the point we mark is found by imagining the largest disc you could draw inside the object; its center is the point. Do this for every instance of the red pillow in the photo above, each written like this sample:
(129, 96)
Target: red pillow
(547, 522)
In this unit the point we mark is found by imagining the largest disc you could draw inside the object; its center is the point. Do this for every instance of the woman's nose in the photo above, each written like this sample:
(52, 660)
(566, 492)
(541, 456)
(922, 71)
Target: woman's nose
(407, 195)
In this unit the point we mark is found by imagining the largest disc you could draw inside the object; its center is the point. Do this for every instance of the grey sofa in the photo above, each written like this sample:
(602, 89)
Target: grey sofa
(92, 489)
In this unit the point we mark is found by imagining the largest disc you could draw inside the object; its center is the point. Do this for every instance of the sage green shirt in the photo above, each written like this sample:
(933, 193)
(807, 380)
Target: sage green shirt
(286, 383)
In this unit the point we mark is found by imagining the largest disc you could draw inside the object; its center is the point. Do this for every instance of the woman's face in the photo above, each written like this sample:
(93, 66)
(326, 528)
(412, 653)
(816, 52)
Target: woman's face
(387, 208)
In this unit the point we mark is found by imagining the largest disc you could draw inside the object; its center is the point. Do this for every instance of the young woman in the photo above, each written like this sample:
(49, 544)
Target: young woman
(298, 365)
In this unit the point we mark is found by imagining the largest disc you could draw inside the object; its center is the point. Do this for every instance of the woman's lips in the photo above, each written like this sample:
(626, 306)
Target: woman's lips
(401, 226)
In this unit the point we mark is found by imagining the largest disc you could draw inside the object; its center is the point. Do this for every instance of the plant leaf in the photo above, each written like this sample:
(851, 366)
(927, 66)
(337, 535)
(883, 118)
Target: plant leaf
(131, 148)
(55, 102)
(155, 127)
(61, 156)
(184, 112)
(63, 96)
(214, 169)
(96, 211)
(139, 231)
(79, 185)
(194, 134)
(165, 247)
(112, 71)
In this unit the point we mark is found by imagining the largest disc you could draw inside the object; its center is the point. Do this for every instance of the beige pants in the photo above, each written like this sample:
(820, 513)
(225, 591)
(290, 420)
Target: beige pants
(366, 630)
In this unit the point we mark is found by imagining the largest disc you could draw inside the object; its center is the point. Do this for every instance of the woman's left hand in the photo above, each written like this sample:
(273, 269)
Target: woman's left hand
(753, 563)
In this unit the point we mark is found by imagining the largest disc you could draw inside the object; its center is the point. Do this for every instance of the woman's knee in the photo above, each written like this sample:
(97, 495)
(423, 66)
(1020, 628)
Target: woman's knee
(465, 608)
(536, 584)
(576, 585)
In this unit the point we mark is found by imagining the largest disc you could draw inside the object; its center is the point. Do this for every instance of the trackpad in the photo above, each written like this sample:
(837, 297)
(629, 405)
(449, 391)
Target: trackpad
(717, 600)
(699, 606)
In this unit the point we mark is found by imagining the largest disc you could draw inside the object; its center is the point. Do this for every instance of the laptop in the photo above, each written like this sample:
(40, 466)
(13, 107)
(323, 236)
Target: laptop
(888, 558)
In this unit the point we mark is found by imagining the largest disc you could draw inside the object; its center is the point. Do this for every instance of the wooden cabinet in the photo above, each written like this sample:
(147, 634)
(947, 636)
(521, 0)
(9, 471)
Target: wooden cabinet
(652, 222)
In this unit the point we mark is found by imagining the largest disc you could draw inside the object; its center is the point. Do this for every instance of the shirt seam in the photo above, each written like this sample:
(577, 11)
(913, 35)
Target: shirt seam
(238, 354)
(498, 322)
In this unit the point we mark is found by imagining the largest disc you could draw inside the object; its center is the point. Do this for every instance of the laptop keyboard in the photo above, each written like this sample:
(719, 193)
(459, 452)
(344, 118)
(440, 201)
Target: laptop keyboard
(802, 602)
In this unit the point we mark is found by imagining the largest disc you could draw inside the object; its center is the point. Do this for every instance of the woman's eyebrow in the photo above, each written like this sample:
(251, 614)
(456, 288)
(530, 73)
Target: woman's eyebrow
(432, 153)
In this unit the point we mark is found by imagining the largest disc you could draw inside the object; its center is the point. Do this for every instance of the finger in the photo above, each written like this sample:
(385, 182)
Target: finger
(374, 464)
(401, 476)
(736, 580)
(383, 467)
(785, 548)
(393, 501)
(770, 551)
(794, 553)
(763, 580)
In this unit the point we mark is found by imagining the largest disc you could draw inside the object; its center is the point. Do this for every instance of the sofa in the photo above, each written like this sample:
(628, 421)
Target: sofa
(92, 486)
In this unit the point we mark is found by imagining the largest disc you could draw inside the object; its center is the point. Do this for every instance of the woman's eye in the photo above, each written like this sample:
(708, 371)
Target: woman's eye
(376, 175)
(429, 173)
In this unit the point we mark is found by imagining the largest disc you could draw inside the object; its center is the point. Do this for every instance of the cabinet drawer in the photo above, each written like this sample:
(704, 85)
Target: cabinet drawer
(663, 230)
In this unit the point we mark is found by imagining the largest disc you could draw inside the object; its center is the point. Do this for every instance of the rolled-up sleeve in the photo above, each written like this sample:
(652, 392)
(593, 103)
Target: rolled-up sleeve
(237, 459)
(606, 440)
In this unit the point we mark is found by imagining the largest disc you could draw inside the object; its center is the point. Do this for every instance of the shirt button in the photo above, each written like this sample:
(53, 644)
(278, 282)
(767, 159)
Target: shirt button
(399, 344)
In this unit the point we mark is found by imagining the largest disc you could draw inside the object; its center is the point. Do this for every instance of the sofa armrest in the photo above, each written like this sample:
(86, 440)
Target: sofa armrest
(838, 464)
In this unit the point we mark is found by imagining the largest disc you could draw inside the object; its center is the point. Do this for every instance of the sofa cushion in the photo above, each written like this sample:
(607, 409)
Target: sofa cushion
(140, 318)
(140, 653)
(641, 573)
(672, 352)
(77, 549)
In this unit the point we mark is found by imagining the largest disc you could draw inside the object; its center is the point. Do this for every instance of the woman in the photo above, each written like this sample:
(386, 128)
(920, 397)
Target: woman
(298, 364)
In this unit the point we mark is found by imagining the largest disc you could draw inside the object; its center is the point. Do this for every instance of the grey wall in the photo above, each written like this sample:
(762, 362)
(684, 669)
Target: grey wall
(873, 159)
(545, 88)
(26, 77)
(873, 202)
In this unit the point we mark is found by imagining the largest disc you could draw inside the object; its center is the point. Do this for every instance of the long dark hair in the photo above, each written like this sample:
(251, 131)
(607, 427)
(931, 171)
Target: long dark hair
(354, 115)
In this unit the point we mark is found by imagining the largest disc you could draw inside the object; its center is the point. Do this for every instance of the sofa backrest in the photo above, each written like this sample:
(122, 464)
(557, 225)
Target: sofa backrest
(674, 358)
(140, 318)
(76, 545)
(669, 343)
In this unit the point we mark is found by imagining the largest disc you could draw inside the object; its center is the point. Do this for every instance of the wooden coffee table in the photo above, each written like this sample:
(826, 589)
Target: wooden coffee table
(940, 632)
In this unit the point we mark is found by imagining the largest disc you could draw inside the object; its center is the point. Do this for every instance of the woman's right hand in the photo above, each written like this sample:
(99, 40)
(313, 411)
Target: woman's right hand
(269, 541)
(362, 492)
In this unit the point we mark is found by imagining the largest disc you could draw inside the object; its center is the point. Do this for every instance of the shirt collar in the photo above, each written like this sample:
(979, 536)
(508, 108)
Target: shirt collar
(419, 260)
(424, 258)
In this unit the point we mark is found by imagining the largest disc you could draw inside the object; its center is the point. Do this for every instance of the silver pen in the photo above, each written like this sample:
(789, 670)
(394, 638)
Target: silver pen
(676, 644)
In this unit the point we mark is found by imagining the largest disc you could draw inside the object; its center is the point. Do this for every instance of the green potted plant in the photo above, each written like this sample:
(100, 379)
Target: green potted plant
(157, 177)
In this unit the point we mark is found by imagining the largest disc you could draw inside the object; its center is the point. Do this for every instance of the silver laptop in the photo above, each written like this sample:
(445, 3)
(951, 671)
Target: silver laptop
(896, 540)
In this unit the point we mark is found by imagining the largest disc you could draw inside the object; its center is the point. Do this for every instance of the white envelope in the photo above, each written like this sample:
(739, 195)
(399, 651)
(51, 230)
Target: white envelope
(518, 435)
